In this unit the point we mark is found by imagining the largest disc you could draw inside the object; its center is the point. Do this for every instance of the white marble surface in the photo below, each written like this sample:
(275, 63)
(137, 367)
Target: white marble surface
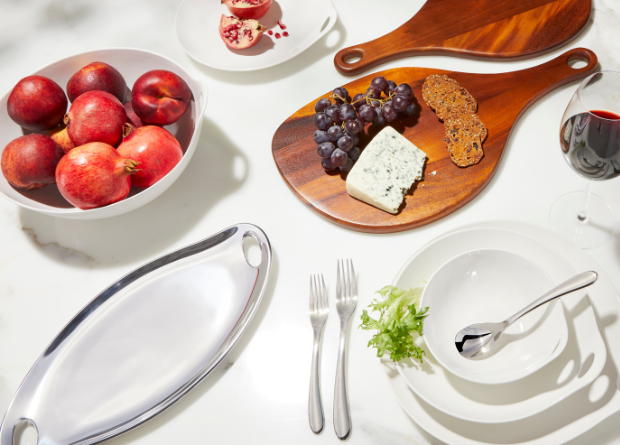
(50, 268)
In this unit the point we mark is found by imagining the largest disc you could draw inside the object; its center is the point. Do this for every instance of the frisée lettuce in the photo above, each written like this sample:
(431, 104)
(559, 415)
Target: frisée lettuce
(399, 318)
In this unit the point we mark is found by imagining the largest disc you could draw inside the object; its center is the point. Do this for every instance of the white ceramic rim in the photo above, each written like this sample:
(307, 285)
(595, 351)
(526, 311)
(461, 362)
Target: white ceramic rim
(561, 344)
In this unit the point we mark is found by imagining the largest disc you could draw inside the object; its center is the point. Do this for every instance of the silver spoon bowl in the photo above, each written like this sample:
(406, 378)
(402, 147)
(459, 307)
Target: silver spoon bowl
(476, 340)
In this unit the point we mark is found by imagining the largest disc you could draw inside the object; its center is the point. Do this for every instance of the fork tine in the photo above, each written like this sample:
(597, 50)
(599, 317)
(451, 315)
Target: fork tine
(315, 294)
(347, 281)
(338, 283)
(324, 299)
(353, 280)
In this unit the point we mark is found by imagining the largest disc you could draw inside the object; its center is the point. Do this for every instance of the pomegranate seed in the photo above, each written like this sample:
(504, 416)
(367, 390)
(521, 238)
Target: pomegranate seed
(285, 34)
(281, 25)
(270, 32)
(278, 35)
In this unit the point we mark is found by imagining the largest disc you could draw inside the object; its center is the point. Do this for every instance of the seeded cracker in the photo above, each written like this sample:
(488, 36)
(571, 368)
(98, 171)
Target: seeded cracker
(457, 102)
(466, 151)
(435, 89)
(459, 125)
(457, 108)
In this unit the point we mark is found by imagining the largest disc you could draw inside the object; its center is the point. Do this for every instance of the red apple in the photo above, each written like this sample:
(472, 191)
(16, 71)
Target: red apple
(97, 76)
(60, 135)
(94, 175)
(29, 162)
(155, 149)
(132, 117)
(96, 116)
(160, 97)
(37, 103)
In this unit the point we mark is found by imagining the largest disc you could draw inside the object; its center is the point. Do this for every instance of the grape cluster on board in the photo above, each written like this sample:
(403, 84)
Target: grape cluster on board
(340, 122)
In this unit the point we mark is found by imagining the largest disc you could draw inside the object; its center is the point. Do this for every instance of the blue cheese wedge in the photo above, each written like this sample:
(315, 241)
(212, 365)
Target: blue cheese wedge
(385, 171)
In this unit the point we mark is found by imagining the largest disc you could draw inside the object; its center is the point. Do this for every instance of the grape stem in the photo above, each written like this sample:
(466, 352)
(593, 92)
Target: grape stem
(367, 99)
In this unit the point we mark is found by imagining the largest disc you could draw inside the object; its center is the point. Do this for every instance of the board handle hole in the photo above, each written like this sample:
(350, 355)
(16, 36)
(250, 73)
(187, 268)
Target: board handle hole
(252, 249)
(352, 57)
(25, 433)
(578, 60)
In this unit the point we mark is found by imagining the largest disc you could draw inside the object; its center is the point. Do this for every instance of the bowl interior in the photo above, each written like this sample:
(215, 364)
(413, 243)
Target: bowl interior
(490, 286)
(131, 63)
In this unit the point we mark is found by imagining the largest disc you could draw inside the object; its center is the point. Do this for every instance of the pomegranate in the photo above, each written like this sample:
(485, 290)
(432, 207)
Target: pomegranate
(160, 97)
(37, 103)
(29, 162)
(96, 116)
(94, 175)
(132, 117)
(97, 76)
(240, 34)
(248, 9)
(61, 137)
(155, 149)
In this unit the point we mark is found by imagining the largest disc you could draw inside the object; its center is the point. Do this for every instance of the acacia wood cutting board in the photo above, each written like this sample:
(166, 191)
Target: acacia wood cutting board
(502, 99)
(474, 28)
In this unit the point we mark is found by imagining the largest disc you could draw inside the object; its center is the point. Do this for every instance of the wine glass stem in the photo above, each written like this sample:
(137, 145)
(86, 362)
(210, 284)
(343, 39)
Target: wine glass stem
(583, 214)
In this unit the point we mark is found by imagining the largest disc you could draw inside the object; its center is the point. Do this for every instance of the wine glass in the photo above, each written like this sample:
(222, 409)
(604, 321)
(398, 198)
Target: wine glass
(590, 142)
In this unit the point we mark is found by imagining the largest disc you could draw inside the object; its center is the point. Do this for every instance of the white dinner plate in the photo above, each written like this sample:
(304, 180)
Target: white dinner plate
(489, 285)
(565, 421)
(198, 21)
(579, 364)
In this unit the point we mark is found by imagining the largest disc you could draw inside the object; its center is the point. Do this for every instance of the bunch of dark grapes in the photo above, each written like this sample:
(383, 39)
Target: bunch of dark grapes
(340, 122)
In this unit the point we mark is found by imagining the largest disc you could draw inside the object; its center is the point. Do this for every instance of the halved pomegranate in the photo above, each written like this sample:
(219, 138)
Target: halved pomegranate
(240, 34)
(248, 9)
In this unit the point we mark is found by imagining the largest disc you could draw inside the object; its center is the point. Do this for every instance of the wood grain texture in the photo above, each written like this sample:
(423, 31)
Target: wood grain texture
(502, 99)
(474, 28)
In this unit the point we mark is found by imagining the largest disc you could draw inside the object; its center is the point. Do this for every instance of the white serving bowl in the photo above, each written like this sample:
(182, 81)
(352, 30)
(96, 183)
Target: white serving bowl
(131, 63)
(490, 286)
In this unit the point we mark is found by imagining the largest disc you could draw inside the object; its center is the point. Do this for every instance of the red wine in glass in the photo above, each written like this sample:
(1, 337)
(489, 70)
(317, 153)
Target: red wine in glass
(591, 144)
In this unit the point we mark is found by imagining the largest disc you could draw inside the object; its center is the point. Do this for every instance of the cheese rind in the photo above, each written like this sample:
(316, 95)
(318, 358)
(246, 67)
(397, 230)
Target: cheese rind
(385, 171)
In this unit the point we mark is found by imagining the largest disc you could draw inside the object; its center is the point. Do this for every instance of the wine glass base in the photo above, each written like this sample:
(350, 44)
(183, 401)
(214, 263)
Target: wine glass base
(595, 231)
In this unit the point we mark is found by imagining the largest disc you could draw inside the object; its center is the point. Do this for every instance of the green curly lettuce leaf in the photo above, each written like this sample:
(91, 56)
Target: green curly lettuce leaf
(399, 319)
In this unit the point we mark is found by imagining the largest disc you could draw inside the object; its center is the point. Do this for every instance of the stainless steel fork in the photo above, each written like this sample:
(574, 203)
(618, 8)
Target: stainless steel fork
(346, 301)
(319, 308)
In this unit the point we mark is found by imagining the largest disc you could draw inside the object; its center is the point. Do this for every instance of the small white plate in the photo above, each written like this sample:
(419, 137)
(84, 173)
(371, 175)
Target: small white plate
(198, 21)
(490, 285)
(579, 365)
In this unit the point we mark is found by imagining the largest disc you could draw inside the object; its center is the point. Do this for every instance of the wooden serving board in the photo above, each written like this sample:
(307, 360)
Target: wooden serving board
(502, 99)
(474, 28)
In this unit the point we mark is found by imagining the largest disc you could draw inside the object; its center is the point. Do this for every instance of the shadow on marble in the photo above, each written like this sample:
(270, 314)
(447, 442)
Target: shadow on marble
(322, 48)
(217, 169)
(185, 403)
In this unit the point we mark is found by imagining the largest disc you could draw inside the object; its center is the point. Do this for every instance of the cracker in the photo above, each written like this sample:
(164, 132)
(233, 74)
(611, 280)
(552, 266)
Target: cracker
(465, 151)
(456, 102)
(458, 125)
(435, 88)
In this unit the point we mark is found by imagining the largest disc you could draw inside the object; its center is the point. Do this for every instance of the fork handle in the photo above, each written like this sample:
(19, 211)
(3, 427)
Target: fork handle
(315, 406)
(342, 417)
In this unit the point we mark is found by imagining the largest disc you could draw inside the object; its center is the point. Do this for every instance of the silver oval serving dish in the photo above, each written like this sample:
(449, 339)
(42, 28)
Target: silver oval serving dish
(143, 342)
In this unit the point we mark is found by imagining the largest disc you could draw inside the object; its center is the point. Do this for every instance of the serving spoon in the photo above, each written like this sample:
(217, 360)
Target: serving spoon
(476, 340)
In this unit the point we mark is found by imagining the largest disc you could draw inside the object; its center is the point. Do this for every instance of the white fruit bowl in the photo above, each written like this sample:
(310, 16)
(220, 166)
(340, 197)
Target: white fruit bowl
(131, 63)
